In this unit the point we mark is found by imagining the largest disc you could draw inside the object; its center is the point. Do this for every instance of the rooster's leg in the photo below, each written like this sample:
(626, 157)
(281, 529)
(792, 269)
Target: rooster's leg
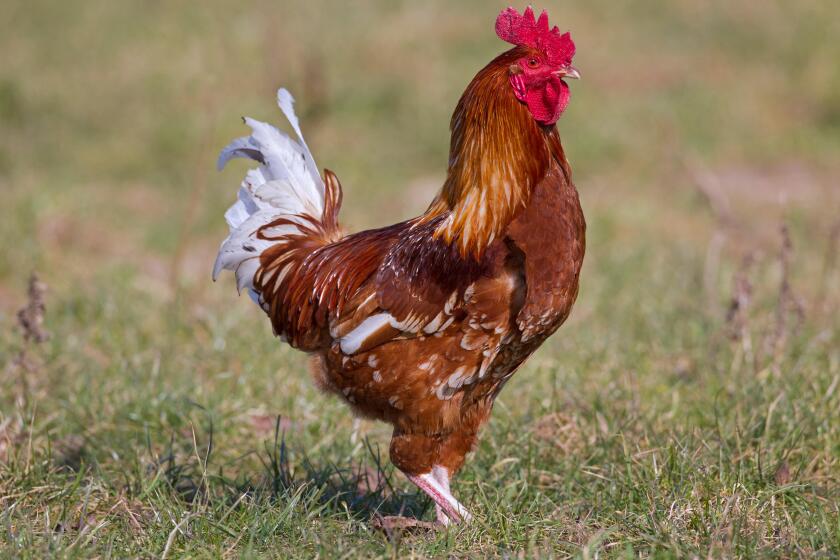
(442, 476)
(413, 452)
(436, 485)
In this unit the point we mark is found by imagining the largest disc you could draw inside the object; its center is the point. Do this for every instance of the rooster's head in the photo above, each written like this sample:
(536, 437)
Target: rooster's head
(546, 58)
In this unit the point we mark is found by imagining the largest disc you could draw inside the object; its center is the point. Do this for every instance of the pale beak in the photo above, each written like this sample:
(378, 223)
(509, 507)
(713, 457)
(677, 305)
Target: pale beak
(569, 72)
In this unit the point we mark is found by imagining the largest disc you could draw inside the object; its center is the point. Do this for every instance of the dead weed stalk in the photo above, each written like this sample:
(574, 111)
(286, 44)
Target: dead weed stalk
(31, 323)
(788, 305)
(788, 313)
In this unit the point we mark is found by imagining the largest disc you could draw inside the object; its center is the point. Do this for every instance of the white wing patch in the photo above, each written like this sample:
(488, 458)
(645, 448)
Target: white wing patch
(352, 341)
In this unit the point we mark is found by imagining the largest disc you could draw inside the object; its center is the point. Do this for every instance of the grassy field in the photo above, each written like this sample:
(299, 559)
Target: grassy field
(689, 408)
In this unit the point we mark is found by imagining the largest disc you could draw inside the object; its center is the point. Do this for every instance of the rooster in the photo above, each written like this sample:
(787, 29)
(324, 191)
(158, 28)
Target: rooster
(420, 324)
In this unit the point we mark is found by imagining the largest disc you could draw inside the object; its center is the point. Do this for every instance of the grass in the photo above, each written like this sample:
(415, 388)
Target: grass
(690, 407)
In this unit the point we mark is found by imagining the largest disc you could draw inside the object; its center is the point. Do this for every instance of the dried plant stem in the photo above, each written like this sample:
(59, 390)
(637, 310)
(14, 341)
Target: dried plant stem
(737, 316)
(788, 303)
(31, 322)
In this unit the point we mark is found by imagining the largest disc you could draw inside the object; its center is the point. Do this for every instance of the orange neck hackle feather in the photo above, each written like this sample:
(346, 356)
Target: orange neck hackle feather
(498, 153)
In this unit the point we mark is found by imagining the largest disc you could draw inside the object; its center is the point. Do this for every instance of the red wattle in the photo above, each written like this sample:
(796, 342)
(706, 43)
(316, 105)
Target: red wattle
(546, 101)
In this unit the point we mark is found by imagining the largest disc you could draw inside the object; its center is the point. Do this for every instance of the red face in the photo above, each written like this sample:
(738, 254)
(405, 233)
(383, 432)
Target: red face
(539, 84)
(537, 77)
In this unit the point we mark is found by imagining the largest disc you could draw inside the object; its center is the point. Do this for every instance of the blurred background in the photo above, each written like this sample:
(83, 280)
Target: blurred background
(704, 139)
(113, 113)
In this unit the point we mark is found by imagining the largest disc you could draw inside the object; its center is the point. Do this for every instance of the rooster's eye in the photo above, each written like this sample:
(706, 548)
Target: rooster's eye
(533, 62)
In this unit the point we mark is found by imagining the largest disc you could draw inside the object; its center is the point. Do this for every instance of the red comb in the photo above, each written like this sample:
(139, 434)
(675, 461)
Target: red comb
(525, 30)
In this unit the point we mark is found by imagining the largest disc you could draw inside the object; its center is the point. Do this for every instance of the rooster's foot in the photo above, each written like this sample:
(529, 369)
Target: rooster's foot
(436, 485)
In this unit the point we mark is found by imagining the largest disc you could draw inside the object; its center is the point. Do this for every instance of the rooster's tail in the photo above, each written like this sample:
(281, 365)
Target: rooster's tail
(280, 202)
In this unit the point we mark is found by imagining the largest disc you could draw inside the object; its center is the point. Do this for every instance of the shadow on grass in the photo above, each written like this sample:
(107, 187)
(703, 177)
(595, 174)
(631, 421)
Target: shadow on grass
(362, 488)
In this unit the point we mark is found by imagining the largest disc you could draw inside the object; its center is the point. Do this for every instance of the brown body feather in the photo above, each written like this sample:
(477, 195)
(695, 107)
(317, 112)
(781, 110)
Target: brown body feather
(462, 295)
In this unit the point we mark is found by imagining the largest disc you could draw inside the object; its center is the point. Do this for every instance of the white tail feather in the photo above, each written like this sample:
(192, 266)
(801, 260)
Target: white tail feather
(286, 184)
(286, 103)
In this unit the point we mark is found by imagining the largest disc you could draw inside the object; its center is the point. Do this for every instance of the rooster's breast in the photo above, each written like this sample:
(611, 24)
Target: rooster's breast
(550, 233)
